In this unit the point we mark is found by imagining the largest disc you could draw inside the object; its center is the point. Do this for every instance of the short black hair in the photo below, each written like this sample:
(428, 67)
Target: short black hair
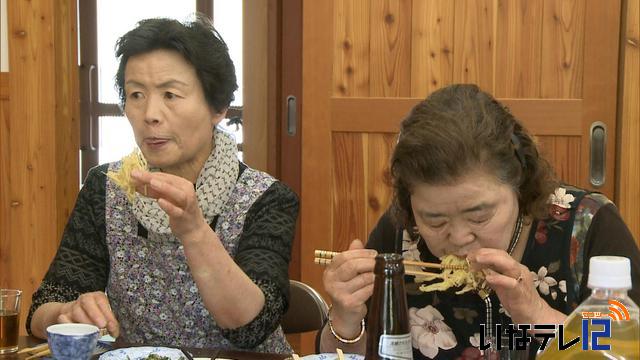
(197, 41)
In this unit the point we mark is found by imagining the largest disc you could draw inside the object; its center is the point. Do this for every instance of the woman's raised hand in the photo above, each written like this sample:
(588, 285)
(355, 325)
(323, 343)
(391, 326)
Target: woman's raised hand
(90, 308)
(349, 282)
(513, 283)
(176, 196)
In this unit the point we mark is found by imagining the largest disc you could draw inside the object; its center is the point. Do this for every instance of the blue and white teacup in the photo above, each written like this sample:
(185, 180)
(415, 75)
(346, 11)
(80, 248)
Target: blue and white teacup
(72, 341)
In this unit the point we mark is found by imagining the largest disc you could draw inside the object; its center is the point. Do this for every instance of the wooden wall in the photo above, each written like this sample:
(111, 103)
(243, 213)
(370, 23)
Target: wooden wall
(255, 67)
(4, 173)
(628, 194)
(533, 55)
(39, 139)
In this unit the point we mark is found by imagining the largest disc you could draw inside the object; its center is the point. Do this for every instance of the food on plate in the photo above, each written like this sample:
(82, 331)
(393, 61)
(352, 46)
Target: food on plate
(122, 177)
(144, 353)
(157, 357)
(460, 277)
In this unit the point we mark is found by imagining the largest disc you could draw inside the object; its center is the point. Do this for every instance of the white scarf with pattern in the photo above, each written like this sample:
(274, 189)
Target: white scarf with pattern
(213, 186)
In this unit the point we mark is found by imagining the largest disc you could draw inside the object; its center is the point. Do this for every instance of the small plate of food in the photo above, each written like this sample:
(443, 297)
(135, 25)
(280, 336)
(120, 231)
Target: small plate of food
(338, 355)
(144, 353)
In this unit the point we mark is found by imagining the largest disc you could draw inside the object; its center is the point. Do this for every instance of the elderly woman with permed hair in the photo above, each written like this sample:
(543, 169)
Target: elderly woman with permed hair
(200, 257)
(468, 181)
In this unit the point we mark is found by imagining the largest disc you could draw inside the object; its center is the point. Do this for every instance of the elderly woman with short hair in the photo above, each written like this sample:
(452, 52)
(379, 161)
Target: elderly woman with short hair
(200, 257)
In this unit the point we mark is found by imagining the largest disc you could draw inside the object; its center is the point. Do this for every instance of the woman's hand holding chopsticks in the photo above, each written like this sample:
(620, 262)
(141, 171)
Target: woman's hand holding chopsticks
(348, 280)
(416, 268)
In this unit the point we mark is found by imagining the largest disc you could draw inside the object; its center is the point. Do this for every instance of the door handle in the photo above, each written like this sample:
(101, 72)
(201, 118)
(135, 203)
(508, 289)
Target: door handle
(87, 142)
(92, 101)
(598, 151)
(292, 115)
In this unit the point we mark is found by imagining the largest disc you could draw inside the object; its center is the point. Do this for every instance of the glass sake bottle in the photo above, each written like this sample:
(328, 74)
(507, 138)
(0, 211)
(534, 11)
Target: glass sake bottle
(389, 335)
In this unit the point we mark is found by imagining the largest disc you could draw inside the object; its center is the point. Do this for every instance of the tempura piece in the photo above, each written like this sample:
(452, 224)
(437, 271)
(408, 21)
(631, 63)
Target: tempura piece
(122, 177)
(469, 280)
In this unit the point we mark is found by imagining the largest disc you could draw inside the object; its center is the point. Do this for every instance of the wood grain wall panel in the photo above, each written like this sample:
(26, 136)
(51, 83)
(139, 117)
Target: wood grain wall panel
(67, 110)
(474, 43)
(349, 168)
(4, 86)
(541, 117)
(562, 49)
(431, 46)
(316, 206)
(5, 180)
(256, 96)
(518, 46)
(39, 150)
(351, 57)
(378, 185)
(390, 56)
(563, 152)
(32, 235)
(628, 190)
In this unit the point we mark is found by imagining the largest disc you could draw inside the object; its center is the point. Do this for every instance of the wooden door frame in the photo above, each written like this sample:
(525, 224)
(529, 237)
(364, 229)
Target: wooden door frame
(273, 73)
(290, 154)
(272, 32)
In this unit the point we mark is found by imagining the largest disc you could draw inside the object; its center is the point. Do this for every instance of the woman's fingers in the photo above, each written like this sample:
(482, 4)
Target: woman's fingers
(91, 308)
(350, 282)
(174, 195)
(512, 281)
(348, 270)
(349, 278)
(346, 257)
(496, 279)
(112, 324)
(359, 282)
(363, 294)
(165, 186)
(496, 260)
(355, 299)
(75, 314)
(171, 210)
(64, 319)
(356, 244)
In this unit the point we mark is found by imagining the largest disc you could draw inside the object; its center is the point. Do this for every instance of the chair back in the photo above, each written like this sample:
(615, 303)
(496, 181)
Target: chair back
(307, 309)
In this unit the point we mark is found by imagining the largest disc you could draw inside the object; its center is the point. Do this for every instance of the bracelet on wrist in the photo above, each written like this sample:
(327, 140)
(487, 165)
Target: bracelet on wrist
(340, 338)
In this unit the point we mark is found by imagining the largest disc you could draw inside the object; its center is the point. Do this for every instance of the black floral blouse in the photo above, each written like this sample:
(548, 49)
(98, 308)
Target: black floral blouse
(580, 225)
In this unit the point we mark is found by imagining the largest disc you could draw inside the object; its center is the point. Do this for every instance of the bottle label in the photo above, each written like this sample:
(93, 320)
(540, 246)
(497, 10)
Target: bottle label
(395, 347)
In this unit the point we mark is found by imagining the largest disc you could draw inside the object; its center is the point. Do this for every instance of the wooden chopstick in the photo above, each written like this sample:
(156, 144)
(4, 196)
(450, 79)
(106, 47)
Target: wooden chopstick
(321, 255)
(34, 349)
(322, 261)
(46, 352)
